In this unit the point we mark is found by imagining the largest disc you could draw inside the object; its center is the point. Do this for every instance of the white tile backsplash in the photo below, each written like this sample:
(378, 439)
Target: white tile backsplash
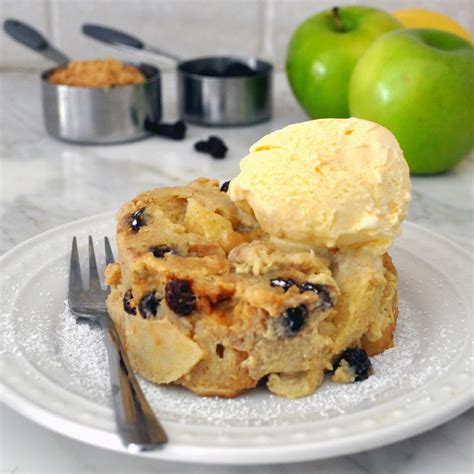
(186, 27)
(34, 12)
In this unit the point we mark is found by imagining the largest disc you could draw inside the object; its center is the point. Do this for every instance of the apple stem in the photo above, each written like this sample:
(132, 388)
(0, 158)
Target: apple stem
(337, 20)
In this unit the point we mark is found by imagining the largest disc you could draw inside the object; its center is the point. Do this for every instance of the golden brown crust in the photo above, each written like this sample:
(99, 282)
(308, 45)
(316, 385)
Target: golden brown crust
(386, 340)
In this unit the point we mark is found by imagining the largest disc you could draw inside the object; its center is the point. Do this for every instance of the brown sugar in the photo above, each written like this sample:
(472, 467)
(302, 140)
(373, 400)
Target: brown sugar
(107, 72)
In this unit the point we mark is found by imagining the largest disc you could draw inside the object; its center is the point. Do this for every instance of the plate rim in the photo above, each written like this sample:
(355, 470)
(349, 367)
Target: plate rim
(245, 456)
(258, 454)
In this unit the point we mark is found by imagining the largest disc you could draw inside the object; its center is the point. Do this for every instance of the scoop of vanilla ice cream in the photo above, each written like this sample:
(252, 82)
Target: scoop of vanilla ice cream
(329, 182)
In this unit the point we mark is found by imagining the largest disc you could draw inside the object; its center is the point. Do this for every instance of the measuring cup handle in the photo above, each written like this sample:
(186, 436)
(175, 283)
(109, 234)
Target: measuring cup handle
(29, 37)
(25, 35)
(111, 36)
(123, 40)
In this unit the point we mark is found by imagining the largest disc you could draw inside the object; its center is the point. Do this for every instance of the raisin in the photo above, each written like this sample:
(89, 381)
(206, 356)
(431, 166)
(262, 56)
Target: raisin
(137, 220)
(325, 299)
(282, 283)
(180, 297)
(225, 186)
(220, 349)
(359, 361)
(293, 319)
(149, 305)
(213, 145)
(159, 251)
(127, 306)
(175, 131)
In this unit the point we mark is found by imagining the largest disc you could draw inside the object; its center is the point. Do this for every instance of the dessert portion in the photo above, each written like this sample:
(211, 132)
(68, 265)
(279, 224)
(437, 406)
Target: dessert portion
(96, 73)
(211, 294)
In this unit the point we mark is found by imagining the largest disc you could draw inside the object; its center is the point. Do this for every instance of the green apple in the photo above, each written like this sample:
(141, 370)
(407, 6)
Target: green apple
(419, 83)
(323, 52)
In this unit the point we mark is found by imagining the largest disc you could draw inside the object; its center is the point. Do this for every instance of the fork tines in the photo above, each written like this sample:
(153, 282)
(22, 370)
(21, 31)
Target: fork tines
(76, 287)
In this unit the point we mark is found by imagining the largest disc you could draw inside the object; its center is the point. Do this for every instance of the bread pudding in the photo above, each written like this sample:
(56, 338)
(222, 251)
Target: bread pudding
(203, 298)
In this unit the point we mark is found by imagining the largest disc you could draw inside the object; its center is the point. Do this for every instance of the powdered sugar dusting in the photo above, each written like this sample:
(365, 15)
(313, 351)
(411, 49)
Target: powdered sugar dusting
(76, 353)
(73, 355)
(82, 351)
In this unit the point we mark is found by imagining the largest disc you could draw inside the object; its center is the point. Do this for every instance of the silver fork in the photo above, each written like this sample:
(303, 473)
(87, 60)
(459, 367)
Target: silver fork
(138, 427)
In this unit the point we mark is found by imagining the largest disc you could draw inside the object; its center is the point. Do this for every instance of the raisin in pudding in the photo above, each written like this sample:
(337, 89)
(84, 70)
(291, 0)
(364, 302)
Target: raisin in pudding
(218, 288)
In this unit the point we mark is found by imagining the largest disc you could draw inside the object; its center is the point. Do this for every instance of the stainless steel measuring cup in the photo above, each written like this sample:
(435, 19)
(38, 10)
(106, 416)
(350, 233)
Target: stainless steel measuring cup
(208, 94)
(92, 115)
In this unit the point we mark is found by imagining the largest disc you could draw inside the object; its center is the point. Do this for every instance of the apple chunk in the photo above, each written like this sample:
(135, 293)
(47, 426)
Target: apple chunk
(211, 226)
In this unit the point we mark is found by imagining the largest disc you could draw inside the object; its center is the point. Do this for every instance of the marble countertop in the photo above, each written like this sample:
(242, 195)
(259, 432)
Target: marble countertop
(45, 183)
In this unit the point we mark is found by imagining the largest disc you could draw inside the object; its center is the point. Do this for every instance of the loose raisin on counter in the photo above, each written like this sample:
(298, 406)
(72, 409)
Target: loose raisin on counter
(127, 306)
(294, 319)
(282, 283)
(159, 251)
(359, 361)
(180, 297)
(137, 220)
(325, 300)
(215, 146)
(175, 131)
(149, 305)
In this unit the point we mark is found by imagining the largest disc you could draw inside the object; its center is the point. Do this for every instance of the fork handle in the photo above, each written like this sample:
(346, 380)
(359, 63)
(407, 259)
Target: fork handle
(138, 426)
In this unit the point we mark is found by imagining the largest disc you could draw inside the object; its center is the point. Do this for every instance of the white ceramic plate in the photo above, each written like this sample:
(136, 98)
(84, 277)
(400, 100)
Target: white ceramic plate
(54, 371)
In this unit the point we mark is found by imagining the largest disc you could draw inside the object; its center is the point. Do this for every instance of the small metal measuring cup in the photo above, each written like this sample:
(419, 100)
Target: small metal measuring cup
(92, 115)
(207, 93)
